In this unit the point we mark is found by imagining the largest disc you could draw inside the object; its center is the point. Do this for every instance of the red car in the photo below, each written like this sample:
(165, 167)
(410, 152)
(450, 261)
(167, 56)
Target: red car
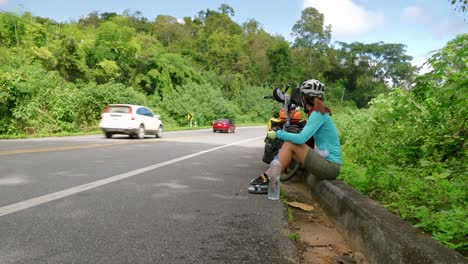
(224, 125)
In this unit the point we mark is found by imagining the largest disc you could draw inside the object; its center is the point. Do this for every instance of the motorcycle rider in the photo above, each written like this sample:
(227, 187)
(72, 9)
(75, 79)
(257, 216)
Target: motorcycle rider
(324, 161)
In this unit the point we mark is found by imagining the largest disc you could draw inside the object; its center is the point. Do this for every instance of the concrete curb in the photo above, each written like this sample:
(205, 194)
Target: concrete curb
(371, 229)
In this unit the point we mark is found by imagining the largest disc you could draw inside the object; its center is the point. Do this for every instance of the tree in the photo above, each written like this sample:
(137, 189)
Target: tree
(258, 42)
(310, 32)
(168, 30)
(220, 45)
(226, 10)
(138, 22)
(92, 19)
(460, 5)
(385, 62)
(367, 69)
(223, 51)
(106, 16)
(37, 30)
(279, 56)
(221, 22)
(12, 30)
(71, 59)
(115, 42)
(203, 15)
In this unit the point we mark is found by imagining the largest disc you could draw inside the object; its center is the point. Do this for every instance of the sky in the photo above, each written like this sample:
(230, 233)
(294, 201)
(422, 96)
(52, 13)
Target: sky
(422, 25)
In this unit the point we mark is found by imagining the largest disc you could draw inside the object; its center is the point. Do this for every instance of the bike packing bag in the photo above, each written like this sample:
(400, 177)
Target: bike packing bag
(295, 116)
(272, 147)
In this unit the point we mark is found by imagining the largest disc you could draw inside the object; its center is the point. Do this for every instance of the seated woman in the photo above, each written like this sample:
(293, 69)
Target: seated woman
(324, 161)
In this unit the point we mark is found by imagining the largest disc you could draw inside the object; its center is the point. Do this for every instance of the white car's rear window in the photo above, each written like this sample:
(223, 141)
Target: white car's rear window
(119, 109)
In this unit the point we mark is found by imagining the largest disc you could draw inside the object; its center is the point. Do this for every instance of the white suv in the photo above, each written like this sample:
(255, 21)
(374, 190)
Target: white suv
(132, 120)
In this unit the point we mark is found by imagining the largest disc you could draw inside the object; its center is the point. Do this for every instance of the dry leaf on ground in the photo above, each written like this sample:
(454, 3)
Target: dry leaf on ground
(302, 206)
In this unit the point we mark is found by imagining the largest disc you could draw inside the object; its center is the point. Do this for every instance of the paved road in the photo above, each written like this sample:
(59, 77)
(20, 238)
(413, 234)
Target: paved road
(179, 199)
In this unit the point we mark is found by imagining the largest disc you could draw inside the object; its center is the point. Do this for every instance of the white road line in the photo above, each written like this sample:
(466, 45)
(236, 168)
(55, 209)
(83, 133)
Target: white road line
(12, 208)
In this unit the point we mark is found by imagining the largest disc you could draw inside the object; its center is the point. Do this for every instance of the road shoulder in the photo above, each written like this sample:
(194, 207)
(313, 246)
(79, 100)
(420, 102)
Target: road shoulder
(319, 241)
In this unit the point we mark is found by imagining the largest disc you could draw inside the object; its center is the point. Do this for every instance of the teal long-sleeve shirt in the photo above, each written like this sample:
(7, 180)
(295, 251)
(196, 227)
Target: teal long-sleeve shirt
(321, 127)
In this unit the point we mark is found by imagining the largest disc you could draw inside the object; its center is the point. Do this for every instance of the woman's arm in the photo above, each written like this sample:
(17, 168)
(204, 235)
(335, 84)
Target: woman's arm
(314, 122)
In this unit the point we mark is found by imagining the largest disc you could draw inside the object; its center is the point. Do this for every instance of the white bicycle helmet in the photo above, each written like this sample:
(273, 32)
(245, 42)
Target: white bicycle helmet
(313, 88)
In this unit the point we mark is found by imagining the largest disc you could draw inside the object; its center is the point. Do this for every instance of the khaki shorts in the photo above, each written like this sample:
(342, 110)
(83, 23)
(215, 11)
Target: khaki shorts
(320, 167)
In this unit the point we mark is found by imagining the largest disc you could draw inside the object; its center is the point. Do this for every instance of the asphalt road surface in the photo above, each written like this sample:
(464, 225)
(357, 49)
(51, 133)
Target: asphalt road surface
(179, 199)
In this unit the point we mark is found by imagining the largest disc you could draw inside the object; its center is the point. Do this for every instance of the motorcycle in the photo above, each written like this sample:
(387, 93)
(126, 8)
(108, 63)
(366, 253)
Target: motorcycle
(289, 120)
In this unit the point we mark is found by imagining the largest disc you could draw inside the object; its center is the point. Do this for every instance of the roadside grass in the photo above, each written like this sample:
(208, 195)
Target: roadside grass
(289, 209)
(41, 135)
(294, 237)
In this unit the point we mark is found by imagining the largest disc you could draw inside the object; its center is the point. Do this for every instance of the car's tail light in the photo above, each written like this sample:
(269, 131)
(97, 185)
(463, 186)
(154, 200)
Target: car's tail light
(106, 109)
(130, 110)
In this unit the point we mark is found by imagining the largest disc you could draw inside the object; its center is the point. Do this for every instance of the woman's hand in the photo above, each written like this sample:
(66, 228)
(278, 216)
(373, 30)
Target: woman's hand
(271, 134)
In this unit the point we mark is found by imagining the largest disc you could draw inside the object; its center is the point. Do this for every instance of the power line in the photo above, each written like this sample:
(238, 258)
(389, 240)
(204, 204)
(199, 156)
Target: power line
(31, 24)
(75, 76)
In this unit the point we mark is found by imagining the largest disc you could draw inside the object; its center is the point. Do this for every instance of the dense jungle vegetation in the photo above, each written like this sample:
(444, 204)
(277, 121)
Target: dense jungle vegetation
(403, 134)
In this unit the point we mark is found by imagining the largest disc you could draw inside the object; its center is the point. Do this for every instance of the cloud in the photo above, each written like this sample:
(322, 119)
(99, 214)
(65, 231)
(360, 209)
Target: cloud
(448, 26)
(3, 2)
(413, 12)
(346, 17)
(421, 63)
(437, 24)
(181, 21)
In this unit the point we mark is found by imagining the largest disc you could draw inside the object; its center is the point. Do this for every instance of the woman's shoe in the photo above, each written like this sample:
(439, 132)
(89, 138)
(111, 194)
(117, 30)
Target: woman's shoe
(260, 180)
(258, 189)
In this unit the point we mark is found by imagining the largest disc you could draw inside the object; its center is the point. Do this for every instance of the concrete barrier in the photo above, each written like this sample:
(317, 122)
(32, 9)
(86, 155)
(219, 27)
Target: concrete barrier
(371, 229)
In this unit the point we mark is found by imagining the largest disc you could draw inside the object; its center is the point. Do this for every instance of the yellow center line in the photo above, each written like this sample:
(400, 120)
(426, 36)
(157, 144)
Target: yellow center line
(49, 149)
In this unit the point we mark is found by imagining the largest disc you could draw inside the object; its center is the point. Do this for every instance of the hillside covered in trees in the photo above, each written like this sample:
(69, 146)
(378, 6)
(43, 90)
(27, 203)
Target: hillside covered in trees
(58, 77)
(403, 135)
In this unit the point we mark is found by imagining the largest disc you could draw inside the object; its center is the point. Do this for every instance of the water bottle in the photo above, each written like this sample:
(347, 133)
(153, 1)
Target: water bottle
(322, 152)
(274, 179)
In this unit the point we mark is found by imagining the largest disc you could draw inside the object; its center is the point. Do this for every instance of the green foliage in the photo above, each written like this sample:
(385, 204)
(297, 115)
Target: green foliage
(205, 101)
(108, 71)
(310, 30)
(223, 52)
(169, 31)
(12, 30)
(91, 99)
(311, 39)
(279, 56)
(34, 100)
(253, 108)
(461, 5)
(294, 237)
(408, 150)
(70, 58)
(367, 70)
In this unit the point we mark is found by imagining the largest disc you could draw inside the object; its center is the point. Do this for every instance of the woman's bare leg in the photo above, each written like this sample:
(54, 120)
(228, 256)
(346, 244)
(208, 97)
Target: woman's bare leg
(290, 151)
